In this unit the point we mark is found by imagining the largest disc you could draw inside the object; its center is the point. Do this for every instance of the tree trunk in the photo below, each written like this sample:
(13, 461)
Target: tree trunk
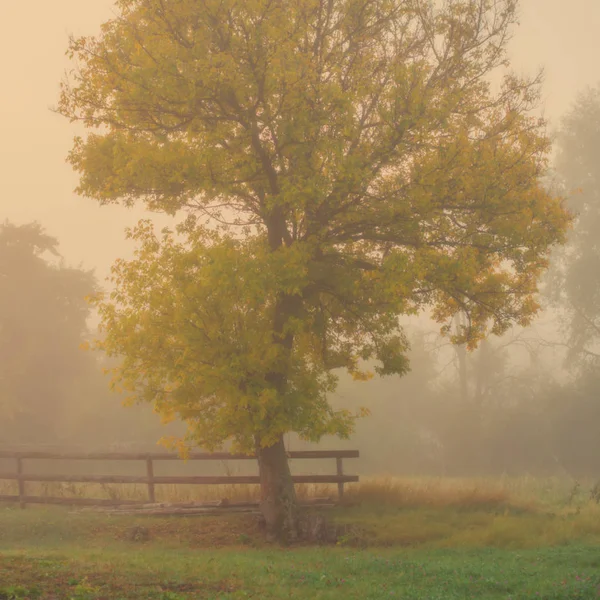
(461, 353)
(278, 503)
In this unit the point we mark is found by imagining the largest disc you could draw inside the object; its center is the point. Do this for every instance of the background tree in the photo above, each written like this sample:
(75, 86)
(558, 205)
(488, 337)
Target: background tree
(50, 391)
(489, 410)
(576, 282)
(574, 412)
(373, 171)
(43, 316)
(574, 287)
(391, 439)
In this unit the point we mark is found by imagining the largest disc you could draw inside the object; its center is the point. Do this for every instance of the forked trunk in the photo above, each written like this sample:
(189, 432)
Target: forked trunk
(279, 504)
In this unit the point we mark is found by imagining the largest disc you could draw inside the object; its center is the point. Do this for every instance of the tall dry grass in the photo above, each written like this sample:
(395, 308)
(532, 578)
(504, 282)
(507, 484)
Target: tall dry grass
(408, 492)
(505, 512)
(525, 492)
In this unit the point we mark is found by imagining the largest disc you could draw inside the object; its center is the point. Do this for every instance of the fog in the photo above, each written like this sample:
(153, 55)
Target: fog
(514, 399)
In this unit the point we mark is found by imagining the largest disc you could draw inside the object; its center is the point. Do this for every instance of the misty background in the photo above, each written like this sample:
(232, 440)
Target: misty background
(528, 402)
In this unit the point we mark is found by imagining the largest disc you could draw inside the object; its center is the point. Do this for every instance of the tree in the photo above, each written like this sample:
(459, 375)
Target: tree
(576, 284)
(50, 391)
(43, 316)
(574, 424)
(355, 164)
(489, 411)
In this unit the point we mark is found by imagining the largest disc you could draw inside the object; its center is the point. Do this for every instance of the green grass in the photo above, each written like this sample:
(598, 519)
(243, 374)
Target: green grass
(420, 538)
(443, 552)
(364, 526)
(571, 572)
(452, 527)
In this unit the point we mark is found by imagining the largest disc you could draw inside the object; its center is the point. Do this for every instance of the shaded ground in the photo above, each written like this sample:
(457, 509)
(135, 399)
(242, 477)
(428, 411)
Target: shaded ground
(362, 526)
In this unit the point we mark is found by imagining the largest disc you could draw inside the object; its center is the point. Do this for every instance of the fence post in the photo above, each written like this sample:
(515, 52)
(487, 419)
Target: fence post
(20, 482)
(340, 471)
(150, 474)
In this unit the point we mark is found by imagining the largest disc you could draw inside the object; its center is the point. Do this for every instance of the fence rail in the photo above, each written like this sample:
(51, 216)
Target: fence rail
(150, 479)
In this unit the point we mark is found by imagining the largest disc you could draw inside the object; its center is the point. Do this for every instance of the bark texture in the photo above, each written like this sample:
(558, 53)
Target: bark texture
(279, 505)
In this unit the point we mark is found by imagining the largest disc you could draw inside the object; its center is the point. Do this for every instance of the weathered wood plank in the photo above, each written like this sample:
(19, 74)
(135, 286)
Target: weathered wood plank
(190, 480)
(135, 507)
(21, 480)
(39, 477)
(68, 501)
(9, 498)
(150, 479)
(340, 472)
(135, 456)
(150, 474)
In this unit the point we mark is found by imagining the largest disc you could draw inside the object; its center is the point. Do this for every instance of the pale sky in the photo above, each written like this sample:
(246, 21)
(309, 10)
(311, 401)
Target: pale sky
(37, 184)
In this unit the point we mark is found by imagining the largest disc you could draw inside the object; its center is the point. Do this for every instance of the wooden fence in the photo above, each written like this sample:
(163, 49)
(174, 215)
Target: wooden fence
(150, 479)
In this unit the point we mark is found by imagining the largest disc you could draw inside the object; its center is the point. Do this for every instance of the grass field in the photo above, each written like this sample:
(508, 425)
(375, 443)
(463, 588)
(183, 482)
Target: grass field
(417, 539)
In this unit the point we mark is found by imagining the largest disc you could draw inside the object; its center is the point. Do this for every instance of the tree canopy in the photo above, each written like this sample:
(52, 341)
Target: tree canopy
(343, 162)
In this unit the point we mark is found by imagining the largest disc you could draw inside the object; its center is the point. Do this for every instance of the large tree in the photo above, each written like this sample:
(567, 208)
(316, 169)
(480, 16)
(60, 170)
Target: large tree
(358, 163)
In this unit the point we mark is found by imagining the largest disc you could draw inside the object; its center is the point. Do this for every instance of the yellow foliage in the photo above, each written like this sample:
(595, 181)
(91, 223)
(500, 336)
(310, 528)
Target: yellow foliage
(362, 375)
(343, 167)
